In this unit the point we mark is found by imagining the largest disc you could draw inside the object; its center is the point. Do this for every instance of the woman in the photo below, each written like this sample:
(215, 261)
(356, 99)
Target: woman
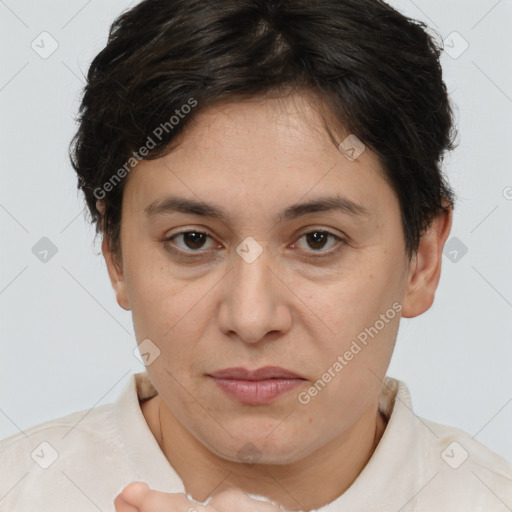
(266, 178)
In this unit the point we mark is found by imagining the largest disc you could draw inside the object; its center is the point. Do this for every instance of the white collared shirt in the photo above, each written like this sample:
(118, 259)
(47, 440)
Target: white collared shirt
(82, 461)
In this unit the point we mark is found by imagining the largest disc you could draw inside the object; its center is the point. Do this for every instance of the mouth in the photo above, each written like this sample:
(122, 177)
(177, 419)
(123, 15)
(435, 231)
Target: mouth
(256, 387)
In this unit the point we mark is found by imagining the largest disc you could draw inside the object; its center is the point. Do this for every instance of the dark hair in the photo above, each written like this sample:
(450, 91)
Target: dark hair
(376, 70)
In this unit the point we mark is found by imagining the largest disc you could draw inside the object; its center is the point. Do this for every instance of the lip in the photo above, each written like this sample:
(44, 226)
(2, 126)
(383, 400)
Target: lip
(266, 372)
(256, 387)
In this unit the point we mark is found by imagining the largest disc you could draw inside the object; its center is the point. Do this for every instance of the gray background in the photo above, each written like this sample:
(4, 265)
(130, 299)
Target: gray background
(66, 345)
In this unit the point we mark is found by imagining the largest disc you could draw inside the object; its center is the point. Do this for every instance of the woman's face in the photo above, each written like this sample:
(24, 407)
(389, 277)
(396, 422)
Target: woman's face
(317, 293)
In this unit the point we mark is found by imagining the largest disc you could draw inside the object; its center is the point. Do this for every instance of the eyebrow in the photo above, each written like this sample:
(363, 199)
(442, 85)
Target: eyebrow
(338, 203)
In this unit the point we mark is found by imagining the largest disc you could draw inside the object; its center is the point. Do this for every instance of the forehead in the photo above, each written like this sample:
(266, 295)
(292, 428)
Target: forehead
(261, 153)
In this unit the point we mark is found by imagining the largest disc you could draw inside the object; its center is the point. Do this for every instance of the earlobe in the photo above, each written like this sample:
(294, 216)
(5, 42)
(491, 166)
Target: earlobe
(116, 274)
(114, 268)
(425, 269)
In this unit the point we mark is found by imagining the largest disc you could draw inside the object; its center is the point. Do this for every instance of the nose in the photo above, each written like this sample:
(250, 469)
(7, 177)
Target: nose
(254, 303)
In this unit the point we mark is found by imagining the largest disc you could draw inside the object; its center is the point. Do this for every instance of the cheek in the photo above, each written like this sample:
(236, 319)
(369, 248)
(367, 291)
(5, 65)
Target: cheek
(349, 376)
(353, 301)
(172, 314)
(360, 316)
(158, 303)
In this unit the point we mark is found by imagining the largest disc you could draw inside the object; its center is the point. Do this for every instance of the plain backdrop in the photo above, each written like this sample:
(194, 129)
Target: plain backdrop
(65, 343)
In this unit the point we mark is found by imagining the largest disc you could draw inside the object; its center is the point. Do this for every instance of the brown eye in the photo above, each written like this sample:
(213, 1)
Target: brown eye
(316, 247)
(190, 241)
(194, 239)
(317, 239)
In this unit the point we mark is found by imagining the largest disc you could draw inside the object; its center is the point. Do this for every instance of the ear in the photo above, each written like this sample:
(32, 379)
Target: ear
(114, 268)
(115, 272)
(425, 268)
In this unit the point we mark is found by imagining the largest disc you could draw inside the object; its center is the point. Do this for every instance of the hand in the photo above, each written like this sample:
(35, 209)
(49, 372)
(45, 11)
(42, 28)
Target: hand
(138, 497)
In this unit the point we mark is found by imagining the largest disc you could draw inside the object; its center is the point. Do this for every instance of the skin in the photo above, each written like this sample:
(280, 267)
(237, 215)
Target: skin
(138, 497)
(253, 159)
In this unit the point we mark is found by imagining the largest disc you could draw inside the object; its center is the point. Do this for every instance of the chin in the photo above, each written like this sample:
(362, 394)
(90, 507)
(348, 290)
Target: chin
(254, 451)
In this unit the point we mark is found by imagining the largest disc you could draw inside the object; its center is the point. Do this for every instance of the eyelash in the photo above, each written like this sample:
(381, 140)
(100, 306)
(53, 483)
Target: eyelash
(200, 254)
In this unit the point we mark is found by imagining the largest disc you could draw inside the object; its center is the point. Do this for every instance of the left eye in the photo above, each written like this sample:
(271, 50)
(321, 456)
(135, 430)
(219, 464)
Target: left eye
(318, 239)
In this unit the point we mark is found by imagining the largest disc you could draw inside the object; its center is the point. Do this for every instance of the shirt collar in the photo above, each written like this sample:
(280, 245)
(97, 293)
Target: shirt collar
(143, 451)
(393, 475)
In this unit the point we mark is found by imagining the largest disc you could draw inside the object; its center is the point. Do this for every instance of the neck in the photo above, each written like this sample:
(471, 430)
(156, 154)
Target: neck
(329, 471)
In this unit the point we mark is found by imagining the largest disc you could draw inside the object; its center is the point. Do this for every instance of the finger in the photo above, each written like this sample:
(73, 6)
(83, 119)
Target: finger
(132, 495)
(235, 500)
(143, 499)
(122, 505)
